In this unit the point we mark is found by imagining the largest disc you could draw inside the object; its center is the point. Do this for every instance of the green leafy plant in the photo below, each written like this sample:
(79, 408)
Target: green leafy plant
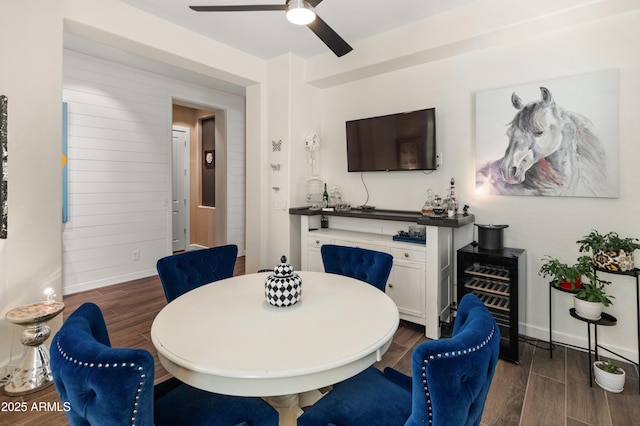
(608, 242)
(610, 367)
(561, 272)
(594, 291)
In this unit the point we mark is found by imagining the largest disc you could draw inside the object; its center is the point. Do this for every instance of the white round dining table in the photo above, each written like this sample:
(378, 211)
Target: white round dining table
(224, 337)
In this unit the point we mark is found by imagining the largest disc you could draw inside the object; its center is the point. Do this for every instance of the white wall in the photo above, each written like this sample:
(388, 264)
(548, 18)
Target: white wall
(119, 169)
(539, 225)
(293, 112)
(31, 78)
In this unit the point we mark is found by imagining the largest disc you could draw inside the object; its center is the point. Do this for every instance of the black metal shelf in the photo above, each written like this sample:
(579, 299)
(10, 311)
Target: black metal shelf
(633, 273)
(605, 320)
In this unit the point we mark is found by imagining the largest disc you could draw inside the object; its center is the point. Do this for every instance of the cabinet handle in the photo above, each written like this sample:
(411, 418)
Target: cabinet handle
(317, 241)
(390, 285)
(406, 255)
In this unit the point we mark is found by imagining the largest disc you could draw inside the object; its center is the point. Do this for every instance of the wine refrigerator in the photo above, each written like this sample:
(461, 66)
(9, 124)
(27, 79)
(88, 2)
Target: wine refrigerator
(497, 277)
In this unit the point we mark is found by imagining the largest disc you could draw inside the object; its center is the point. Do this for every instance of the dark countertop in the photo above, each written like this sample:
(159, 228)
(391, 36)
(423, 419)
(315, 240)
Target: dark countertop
(398, 215)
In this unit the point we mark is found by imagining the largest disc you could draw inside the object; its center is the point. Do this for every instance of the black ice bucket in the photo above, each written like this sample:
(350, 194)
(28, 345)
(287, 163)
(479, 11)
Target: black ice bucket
(490, 237)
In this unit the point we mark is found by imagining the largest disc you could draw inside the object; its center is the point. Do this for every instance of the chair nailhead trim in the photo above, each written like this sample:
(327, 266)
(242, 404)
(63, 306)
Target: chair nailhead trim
(484, 343)
(134, 411)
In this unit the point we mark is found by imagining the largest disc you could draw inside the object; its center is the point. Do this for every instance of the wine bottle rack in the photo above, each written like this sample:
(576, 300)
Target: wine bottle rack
(494, 276)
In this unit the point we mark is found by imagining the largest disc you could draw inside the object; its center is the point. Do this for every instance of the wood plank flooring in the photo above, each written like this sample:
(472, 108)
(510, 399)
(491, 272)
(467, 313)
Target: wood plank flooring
(538, 391)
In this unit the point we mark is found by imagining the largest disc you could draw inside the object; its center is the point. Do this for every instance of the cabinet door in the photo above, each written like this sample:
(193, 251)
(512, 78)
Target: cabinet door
(407, 282)
(315, 260)
(314, 256)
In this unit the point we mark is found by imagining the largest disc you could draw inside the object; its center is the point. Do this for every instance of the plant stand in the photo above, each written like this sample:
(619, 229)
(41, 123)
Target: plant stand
(635, 273)
(564, 290)
(606, 320)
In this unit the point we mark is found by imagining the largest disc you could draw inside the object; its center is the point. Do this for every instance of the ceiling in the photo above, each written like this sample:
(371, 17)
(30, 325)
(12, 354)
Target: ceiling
(268, 34)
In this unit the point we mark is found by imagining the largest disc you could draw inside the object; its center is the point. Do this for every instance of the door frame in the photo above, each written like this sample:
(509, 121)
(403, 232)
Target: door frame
(187, 183)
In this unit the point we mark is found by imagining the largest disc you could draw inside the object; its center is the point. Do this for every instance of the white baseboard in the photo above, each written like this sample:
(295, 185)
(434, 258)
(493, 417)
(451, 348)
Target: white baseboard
(76, 288)
(579, 341)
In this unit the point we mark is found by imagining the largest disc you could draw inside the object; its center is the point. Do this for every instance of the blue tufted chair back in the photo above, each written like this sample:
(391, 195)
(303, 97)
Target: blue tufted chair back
(365, 265)
(99, 384)
(451, 377)
(183, 272)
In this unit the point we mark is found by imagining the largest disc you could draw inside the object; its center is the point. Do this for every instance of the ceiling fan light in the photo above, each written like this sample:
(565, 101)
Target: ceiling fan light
(299, 12)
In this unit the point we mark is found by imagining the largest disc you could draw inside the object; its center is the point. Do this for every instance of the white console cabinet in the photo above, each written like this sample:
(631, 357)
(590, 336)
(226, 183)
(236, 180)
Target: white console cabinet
(421, 280)
(406, 284)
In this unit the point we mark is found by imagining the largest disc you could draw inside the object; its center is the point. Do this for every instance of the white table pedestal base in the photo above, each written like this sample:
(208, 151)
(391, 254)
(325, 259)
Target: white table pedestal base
(288, 406)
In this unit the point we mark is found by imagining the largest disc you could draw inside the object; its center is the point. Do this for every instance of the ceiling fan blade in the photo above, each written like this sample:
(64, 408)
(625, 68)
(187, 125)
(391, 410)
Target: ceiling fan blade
(245, 8)
(314, 3)
(329, 37)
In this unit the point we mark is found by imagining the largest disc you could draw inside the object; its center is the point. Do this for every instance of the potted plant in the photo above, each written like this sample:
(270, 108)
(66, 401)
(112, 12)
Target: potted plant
(591, 299)
(609, 376)
(610, 251)
(565, 276)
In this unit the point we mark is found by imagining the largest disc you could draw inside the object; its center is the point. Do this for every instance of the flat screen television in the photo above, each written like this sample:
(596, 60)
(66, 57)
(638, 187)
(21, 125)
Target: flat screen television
(403, 141)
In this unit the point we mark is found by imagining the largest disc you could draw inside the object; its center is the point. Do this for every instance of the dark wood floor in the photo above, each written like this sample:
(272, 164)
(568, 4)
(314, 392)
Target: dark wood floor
(538, 391)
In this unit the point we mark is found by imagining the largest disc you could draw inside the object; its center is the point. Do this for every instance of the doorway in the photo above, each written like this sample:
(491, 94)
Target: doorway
(205, 222)
(180, 188)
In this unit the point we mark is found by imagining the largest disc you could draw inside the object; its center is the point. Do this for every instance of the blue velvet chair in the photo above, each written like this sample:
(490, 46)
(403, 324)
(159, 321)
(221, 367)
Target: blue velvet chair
(101, 385)
(183, 272)
(449, 384)
(365, 265)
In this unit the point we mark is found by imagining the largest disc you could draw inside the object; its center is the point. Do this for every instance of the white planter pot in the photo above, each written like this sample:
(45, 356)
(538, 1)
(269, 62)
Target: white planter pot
(588, 310)
(608, 381)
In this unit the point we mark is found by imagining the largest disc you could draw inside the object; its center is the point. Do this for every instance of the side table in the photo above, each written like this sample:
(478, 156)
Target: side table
(34, 372)
(605, 319)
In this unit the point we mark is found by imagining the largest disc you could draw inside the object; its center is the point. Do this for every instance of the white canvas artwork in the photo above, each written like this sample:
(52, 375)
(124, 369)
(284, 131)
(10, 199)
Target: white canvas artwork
(555, 138)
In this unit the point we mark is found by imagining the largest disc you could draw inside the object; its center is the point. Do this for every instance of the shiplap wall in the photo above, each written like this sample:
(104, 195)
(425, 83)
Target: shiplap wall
(119, 163)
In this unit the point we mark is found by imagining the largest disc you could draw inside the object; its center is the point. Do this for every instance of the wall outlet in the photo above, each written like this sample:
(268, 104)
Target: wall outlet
(438, 160)
(135, 255)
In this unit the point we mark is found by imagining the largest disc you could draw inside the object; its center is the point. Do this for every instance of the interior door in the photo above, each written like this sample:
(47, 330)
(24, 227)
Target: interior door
(179, 185)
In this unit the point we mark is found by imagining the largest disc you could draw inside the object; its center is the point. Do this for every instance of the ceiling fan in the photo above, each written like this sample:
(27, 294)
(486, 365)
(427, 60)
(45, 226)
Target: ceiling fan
(300, 12)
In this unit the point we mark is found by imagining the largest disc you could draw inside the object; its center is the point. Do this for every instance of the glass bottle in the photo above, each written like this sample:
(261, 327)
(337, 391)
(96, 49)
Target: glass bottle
(325, 196)
(427, 208)
(453, 203)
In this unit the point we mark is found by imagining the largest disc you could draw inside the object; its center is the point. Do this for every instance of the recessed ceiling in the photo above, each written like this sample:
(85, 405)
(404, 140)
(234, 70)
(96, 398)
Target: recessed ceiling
(268, 34)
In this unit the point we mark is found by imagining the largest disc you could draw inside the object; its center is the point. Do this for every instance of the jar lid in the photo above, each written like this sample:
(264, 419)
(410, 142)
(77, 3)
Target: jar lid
(283, 269)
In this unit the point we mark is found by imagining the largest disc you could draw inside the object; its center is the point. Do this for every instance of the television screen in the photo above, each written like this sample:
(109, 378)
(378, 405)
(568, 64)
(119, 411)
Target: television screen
(404, 141)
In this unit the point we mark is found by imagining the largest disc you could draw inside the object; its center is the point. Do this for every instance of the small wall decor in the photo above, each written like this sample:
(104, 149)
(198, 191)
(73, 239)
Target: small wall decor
(208, 170)
(210, 159)
(555, 138)
(4, 206)
(276, 146)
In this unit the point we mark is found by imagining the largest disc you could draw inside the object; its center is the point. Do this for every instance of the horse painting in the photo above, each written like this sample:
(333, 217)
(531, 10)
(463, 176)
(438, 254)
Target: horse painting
(551, 151)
